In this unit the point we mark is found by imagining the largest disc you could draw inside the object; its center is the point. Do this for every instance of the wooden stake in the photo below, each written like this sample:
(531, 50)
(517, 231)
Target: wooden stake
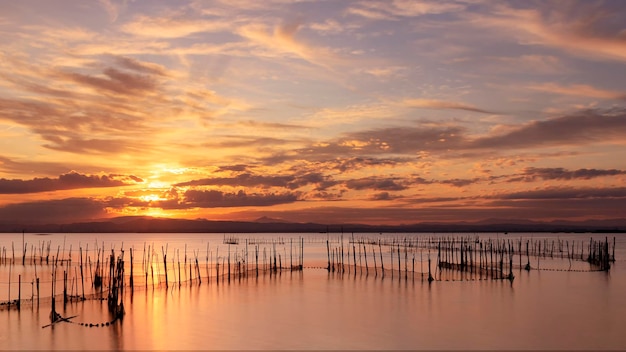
(19, 291)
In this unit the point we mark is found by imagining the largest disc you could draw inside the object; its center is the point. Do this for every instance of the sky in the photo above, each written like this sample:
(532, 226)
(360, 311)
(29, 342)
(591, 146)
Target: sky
(372, 112)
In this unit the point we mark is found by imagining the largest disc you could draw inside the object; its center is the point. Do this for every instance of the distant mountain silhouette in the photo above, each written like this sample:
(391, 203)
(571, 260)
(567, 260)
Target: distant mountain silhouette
(149, 224)
(265, 220)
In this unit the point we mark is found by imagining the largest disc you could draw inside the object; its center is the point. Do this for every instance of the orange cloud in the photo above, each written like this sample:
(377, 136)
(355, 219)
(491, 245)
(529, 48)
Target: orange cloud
(583, 90)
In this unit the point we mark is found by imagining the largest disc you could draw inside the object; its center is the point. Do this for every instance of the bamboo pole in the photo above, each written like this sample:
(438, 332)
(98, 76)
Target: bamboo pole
(131, 282)
(328, 254)
(82, 278)
(382, 262)
(164, 252)
(430, 276)
(64, 288)
(19, 291)
(367, 270)
(374, 255)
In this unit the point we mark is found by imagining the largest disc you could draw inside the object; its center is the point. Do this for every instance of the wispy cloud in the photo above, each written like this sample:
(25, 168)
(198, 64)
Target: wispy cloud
(280, 40)
(582, 90)
(173, 25)
(390, 10)
(441, 104)
(560, 25)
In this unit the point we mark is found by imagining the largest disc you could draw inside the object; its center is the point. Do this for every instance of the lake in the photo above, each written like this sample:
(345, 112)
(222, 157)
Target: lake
(563, 305)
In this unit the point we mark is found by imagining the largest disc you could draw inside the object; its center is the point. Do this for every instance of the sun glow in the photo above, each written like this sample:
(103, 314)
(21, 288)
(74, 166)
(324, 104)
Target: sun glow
(158, 184)
(151, 198)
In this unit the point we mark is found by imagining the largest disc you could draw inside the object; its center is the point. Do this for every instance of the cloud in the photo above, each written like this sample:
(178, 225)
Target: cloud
(239, 141)
(384, 196)
(531, 63)
(103, 106)
(386, 72)
(174, 25)
(54, 211)
(440, 104)
(251, 180)
(67, 181)
(141, 66)
(10, 166)
(458, 182)
(75, 144)
(115, 81)
(113, 9)
(531, 174)
(375, 183)
(235, 168)
(581, 30)
(397, 145)
(582, 90)
(329, 26)
(271, 125)
(393, 10)
(281, 41)
(218, 199)
(583, 128)
(369, 13)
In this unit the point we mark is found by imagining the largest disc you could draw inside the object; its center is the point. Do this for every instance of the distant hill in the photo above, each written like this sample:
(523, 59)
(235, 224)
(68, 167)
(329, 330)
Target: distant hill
(264, 224)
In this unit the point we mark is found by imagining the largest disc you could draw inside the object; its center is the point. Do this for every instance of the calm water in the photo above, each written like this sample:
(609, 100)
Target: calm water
(314, 309)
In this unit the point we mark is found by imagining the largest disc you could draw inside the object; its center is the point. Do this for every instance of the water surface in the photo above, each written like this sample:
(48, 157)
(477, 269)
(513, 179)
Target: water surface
(313, 309)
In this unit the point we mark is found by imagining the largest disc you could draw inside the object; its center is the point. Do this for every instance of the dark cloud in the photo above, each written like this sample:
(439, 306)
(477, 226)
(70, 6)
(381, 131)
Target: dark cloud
(375, 183)
(116, 81)
(54, 211)
(235, 168)
(141, 67)
(531, 174)
(364, 148)
(70, 180)
(244, 180)
(459, 182)
(251, 180)
(217, 199)
(323, 195)
(589, 126)
(384, 196)
(401, 140)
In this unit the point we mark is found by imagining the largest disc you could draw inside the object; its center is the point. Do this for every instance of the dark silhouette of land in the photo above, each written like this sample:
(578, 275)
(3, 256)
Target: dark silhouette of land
(267, 225)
